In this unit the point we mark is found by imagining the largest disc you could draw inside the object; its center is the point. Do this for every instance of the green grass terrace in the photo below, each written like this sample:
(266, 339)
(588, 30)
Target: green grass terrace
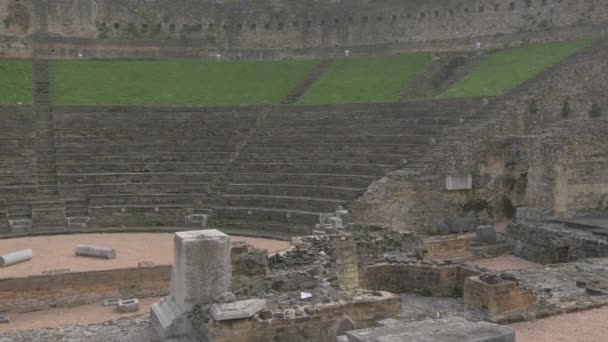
(366, 79)
(504, 70)
(172, 82)
(16, 82)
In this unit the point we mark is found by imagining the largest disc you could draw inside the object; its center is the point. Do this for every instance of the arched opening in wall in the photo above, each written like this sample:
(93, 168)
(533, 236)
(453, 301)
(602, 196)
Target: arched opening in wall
(211, 27)
(422, 15)
(116, 26)
(252, 27)
(451, 11)
(379, 19)
(172, 27)
(436, 14)
(225, 27)
(144, 28)
(394, 19)
(266, 27)
(280, 27)
(239, 27)
(199, 27)
(364, 19)
(158, 28)
(308, 24)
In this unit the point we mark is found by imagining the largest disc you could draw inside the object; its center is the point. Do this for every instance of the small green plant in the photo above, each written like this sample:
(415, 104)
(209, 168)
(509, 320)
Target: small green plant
(596, 111)
(532, 107)
(7, 22)
(425, 292)
(457, 292)
(566, 108)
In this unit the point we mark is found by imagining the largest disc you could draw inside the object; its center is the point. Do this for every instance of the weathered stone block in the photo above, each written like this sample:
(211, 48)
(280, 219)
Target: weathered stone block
(237, 310)
(486, 234)
(129, 305)
(201, 273)
(459, 182)
(450, 329)
(4, 319)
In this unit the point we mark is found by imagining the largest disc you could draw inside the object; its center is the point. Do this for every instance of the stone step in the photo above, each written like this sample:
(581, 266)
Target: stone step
(363, 169)
(309, 204)
(83, 190)
(139, 167)
(143, 177)
(153, 157)
(295, 190)
(338, 180)
(250, 214)
(122, 199)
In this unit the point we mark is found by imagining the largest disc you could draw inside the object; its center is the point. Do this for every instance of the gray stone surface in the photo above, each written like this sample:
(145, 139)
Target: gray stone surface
(201, 273)
(111, 302)
(340, 327)
(237, 310)
(486, 234)
(16, 257)
(442, 330)
(4, 319)
(95, 251)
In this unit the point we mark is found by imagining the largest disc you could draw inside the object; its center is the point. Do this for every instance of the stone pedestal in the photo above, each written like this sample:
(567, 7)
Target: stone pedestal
(201, 272)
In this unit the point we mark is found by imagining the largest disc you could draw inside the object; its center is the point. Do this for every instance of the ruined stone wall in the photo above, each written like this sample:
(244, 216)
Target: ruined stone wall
(188, 27)
(548, 243)
(425, 279)
(510, 167)
(314, 325)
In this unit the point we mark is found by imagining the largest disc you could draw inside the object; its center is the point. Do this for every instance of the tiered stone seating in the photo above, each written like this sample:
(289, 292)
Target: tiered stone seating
(18, 175)
(144, 165)
(303, 162)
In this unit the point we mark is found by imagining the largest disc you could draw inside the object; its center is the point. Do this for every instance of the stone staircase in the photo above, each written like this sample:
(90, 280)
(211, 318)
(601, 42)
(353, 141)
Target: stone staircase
(300, 89)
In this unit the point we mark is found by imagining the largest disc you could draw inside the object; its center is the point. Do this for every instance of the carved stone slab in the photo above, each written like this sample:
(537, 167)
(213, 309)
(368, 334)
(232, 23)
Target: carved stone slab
(237, 310)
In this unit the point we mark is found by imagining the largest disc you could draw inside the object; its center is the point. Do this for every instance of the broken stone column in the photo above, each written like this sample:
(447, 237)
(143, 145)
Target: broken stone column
(201, 272)
(95, 252)
(15, 257)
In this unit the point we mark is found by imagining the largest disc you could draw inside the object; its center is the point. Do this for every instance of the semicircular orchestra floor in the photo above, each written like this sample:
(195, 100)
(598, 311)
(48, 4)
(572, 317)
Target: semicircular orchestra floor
(56, 252)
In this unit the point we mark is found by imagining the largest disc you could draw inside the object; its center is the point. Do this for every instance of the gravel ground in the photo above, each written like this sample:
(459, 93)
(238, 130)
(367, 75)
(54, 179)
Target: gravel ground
(57, 251)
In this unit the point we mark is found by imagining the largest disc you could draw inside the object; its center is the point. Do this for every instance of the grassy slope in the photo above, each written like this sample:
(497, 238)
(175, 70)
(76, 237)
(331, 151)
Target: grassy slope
(174, 82)
(366, 79)
(504, 70)
(16, 84)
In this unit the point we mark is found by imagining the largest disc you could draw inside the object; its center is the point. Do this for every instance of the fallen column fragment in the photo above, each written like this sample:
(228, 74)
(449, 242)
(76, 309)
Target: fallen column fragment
(16, 257)
(95, 251)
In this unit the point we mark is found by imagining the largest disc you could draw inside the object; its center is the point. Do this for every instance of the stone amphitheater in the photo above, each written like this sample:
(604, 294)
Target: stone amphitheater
(474, 218)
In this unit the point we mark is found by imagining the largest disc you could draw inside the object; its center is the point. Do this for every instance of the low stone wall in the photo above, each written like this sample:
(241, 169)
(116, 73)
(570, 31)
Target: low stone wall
(550, 243)
(425, 279)
(446, 248)
(43, 292)
(313, 324)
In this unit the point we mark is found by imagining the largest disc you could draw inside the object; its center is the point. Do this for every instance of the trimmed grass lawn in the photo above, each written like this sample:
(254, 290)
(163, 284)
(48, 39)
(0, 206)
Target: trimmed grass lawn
(504, 70)
(16, 84)
(174, 82)
(366, 79)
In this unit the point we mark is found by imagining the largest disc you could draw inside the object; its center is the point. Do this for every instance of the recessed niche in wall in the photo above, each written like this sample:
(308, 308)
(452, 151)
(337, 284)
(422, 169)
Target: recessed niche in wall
(266, 26)
(497, 7)
(225, 27)
(364, 19)
(199, 27)
(481, 9)
(308, 24)
(239, 27)
(351, 20)
(422, 15)
(395, 19)
(144, 28)
(211, 27)
(436, 14)
(116, 26)
(280, 26)
(172, 27)
(379, 18)
(295, 24)
(252, 27)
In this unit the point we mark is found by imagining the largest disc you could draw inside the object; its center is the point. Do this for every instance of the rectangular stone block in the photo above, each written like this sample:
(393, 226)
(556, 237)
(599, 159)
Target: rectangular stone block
(202, 269)
(237, 310)
(450, 329)
(459, 182)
